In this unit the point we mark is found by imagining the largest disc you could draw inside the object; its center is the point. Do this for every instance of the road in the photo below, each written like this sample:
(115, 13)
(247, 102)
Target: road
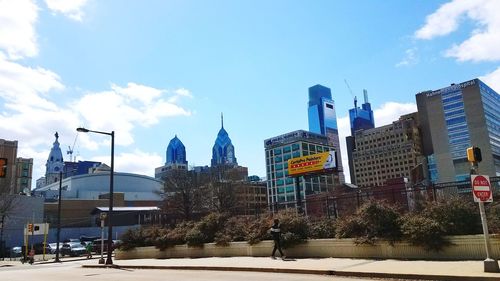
(72, 271)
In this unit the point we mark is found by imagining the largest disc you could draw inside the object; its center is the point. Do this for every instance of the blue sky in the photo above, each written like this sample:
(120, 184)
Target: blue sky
(152, 69)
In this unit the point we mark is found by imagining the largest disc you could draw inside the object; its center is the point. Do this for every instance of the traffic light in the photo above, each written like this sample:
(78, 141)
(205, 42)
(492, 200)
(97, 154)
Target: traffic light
(3, 167)
(30, 227)
(474, 154)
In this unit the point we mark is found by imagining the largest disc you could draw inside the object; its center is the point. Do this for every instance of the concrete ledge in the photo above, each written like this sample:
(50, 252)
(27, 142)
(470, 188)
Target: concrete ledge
(468, 247)
(307, 271)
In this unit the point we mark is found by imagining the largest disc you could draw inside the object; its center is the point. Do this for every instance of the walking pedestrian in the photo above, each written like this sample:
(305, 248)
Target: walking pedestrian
(276, 233)
(88, 247)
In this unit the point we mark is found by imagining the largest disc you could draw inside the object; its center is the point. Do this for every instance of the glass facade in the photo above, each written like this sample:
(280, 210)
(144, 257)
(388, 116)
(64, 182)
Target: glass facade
(176, 152)
(223, 149)
(456, 123)
(491, 105)
(361, 118)
(323, 119)
(282, 188)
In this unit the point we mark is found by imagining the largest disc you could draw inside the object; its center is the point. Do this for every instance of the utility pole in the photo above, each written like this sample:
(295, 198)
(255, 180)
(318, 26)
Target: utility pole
(474, 157)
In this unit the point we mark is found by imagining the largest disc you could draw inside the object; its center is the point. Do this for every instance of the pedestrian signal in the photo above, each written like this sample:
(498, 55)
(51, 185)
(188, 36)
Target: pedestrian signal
(474, 154)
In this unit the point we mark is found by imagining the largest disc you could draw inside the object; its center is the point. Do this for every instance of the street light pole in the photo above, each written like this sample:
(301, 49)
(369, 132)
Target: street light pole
(109, 259)
(59, 218)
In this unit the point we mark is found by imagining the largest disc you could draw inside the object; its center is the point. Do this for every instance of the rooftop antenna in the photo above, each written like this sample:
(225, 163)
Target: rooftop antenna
(365, 93)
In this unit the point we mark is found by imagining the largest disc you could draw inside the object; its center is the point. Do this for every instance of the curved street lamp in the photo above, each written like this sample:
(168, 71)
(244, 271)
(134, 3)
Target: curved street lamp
(109, 260)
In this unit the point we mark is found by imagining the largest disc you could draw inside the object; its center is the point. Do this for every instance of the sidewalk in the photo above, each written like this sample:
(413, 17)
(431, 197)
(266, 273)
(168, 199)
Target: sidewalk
(422, 270)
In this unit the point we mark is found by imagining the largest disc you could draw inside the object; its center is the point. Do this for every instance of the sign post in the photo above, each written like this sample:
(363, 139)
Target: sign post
(481, 191)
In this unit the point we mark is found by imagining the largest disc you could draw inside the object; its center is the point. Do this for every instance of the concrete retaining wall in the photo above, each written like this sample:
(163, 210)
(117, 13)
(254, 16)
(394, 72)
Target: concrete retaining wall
(468, 247)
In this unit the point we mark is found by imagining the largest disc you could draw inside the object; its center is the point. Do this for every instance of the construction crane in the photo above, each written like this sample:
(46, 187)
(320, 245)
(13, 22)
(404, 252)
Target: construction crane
(70, 150)
(352, 94)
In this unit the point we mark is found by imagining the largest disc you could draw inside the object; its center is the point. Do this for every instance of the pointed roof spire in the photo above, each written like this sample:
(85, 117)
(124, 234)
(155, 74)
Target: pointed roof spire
(56, 135)
(222, 119)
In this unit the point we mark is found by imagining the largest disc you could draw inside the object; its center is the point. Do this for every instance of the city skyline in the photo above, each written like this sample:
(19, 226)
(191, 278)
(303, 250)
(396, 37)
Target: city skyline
(152, 71)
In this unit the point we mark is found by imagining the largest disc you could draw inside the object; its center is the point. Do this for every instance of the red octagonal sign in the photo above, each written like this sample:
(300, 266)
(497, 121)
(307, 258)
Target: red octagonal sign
(481, 188)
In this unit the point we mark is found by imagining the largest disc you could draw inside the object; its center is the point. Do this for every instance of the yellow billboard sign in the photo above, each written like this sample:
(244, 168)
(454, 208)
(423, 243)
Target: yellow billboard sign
(315, 163)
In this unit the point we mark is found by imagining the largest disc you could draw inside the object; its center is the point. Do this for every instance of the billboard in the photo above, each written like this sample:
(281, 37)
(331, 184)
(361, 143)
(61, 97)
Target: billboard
(312, 164)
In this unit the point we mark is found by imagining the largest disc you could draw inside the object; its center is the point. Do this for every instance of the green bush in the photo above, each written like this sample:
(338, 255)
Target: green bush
(195, 238)
(456, 215)
(373, 220)
(175, 236)
(322, 229)
(258, 229)
(423, 231)
(134, 237)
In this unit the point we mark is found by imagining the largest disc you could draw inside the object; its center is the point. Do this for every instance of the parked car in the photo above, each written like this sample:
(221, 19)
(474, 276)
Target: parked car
(39, 248)
(16, 252)
(96, 245)
(52, 247)
(73, 249)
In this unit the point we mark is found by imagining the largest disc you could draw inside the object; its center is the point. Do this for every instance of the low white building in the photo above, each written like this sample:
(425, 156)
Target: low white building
(88, 187)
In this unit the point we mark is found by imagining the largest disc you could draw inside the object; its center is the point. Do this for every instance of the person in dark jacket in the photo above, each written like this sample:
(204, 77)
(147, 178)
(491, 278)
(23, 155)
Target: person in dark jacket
(276, 233)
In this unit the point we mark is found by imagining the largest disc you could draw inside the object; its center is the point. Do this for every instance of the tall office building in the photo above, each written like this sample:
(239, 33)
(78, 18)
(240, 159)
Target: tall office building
(8, 155)
(387, 152)
(281, 188)
(457, 117)
(175, 158)
(360, 118)
(24, 174)
(323, 119)
(223, 149)
(55, 163)
(176, 152)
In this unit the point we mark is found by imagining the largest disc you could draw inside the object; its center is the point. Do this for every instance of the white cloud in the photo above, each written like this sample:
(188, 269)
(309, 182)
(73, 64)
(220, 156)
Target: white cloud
(410, 58)
(137, 162)
(22, 85)
(69, 8)
(484, 41)
(122, 109)
(17, 31)
(386, 114)
(492, 79)
(391, 111)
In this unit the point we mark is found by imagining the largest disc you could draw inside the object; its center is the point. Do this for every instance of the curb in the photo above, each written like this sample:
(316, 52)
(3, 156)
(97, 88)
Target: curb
(305, 271)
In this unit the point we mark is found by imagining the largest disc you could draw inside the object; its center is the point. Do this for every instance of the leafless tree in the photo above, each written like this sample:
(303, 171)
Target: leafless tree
(221, 189)
(183, 193)
(7, 205)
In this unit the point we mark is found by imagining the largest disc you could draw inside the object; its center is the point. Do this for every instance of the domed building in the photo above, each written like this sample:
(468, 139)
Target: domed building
(55, 163)
(223, 149)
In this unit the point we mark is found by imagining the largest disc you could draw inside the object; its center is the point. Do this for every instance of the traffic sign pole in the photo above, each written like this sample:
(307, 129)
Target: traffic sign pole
(490, 265)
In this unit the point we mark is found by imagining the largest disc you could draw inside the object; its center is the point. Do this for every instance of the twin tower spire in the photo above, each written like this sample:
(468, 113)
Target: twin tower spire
(222, 151)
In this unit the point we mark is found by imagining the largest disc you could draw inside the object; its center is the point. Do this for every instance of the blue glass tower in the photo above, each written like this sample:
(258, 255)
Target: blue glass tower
(360, 119)
(223, 150)
(176, 152)
(323, 119)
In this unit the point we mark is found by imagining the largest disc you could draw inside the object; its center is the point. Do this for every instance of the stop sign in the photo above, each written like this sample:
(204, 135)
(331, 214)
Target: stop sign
(481, 188)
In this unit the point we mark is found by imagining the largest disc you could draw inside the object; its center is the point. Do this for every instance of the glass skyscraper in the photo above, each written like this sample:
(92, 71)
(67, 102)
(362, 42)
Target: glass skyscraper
(176, 152)
(457, 117)
(223, 149)
(360, 119)
(323, 119)
(282, 189)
